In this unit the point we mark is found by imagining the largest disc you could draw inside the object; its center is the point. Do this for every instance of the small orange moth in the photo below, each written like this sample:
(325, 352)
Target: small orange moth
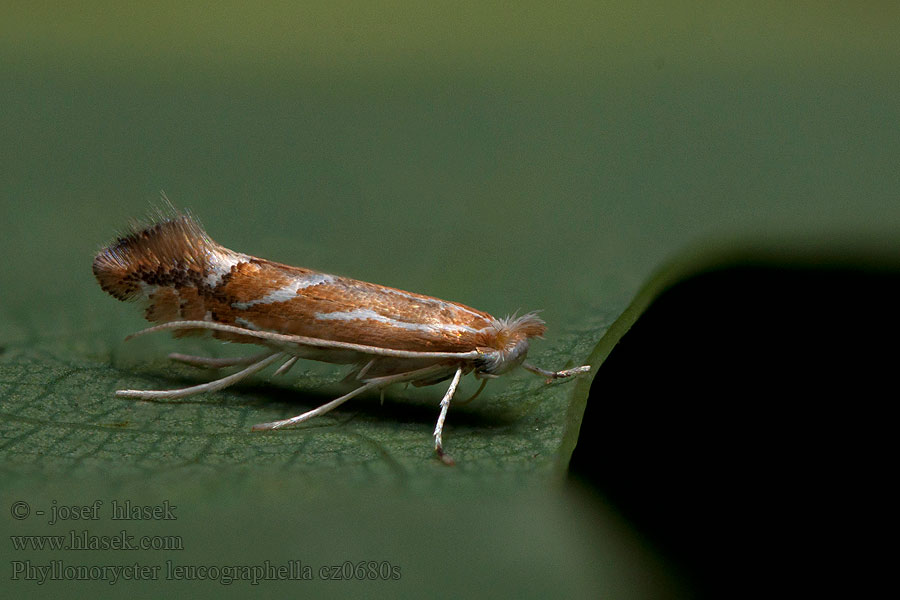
(191, 284)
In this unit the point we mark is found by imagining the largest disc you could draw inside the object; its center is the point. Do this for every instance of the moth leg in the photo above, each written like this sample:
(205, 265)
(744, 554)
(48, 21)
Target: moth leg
(211, 386)
(287, 365)
(216, 363)
(439, 428)
(314, 412)
(369, 384)
(552, 375)
(475, 395)
(364, 370)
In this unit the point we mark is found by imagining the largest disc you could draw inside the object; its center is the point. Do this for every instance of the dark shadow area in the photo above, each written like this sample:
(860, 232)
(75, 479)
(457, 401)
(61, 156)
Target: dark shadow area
(743, 427)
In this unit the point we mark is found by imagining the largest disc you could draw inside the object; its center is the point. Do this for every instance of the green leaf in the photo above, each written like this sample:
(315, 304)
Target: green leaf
(575, 162)
(61, 416)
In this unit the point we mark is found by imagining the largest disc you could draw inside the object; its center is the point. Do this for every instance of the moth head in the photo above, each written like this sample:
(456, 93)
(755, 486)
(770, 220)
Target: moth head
(507, 343)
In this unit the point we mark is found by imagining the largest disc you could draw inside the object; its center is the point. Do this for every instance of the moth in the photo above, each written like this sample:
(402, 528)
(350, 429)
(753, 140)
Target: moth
(192, 284)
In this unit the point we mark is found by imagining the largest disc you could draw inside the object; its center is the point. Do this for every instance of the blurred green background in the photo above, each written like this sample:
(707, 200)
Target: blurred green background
(572, 158)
